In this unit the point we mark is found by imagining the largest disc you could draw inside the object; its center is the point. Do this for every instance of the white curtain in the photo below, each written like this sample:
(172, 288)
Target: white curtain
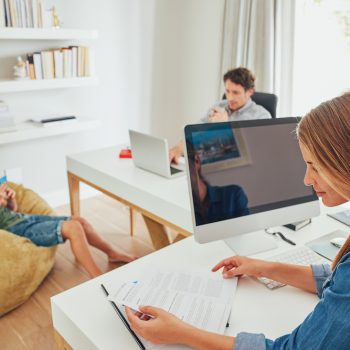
(258, 34)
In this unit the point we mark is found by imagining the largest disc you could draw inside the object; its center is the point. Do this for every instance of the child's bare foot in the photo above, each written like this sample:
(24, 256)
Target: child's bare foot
(119, 256)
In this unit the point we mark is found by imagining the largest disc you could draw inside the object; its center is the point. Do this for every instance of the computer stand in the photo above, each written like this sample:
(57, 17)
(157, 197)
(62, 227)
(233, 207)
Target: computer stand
(251, 243)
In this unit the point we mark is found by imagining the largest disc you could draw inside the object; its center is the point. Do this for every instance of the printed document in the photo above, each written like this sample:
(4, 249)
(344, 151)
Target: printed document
(202, 299)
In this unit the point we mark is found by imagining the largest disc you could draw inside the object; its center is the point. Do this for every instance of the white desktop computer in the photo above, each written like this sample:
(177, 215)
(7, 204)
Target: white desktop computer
(245, 177)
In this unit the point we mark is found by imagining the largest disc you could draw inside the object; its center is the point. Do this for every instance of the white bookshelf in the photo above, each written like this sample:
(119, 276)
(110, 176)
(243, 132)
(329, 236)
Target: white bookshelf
(26, 131)
(47, 34)
(7, 86)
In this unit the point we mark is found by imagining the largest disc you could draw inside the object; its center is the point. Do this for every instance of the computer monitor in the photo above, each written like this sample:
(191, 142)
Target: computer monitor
(244, 177)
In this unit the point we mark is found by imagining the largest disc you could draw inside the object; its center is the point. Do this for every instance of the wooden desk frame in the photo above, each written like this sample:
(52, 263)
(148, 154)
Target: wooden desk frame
(155, 224)
(61, 343)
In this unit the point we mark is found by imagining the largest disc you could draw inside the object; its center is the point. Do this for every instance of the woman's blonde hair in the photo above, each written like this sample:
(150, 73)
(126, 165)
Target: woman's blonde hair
(325, 132)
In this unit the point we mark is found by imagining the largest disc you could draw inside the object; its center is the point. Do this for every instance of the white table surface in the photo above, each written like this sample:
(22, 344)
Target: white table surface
(84, 317)
(165, 198)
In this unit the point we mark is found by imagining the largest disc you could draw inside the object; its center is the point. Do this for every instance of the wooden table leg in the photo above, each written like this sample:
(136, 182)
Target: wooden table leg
(131, 211)
(178, 237)
(61, 343)
(157, 233)
(74, 194)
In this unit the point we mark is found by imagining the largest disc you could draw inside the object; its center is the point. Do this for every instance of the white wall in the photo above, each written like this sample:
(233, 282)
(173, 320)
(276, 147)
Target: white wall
(123, 53)
(186, 73)
(158, 63)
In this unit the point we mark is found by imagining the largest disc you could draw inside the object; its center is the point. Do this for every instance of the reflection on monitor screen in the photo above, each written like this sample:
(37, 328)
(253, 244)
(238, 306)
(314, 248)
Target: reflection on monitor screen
(246, 176)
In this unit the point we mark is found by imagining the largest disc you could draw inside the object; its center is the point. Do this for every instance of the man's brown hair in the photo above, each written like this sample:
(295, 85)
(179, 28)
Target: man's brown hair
(241, 76)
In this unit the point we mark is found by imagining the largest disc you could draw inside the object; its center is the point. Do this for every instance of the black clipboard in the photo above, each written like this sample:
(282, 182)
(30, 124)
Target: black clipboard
(124, 320)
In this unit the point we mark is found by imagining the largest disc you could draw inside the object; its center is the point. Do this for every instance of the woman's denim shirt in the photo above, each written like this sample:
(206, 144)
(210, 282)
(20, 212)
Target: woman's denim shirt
(326, 327)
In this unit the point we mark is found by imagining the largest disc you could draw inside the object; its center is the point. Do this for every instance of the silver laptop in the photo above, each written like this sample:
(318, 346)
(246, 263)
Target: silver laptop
(152, 154)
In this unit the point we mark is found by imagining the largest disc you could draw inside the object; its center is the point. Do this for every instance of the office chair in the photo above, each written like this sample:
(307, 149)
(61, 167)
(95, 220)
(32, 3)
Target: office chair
(267, 100)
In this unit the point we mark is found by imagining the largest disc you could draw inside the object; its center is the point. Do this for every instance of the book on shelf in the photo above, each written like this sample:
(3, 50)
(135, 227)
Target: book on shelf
(25, 14)
(31, 69)
(37, 66)
(58, 60)
(74, 50)
(48, 65)
(65, 62)
(53, 121)
(2, 14)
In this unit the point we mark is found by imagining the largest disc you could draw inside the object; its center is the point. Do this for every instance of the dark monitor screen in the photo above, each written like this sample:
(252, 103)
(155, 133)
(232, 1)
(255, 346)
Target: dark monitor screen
(242, 168)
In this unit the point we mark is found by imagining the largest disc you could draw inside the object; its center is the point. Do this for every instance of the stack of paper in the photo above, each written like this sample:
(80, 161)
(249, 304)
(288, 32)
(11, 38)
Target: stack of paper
(203, 300)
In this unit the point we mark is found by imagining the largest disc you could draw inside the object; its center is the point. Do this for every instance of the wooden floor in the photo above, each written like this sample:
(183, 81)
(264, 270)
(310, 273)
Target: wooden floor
(30, 325)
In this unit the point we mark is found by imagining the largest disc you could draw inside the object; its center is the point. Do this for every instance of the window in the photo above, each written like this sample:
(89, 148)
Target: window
(321, 53)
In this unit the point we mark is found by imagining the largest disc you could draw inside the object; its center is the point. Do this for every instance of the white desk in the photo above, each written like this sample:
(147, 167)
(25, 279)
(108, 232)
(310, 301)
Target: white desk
(161, 201)
(86, 320)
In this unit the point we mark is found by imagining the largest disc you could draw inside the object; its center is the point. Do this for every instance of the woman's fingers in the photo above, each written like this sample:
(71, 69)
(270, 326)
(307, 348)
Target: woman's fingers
(138, 314)
(226, 262)
(234, 272)
(150, 310)
(130, 315)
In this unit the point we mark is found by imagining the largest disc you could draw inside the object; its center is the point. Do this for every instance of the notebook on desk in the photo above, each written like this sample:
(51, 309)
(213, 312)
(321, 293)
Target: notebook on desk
(152, 154)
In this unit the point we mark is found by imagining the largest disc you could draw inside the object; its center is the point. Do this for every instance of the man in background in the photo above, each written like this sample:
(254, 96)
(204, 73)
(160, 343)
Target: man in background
(237, 105)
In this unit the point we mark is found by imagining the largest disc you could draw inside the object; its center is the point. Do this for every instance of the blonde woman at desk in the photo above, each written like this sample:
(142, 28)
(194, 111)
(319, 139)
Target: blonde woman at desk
(324, 139)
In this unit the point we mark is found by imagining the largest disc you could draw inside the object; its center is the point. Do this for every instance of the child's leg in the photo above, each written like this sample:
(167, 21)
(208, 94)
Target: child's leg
(97, 241)
(74, 232)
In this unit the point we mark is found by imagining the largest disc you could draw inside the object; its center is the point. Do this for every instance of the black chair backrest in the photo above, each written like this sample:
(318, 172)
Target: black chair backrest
(267, 100)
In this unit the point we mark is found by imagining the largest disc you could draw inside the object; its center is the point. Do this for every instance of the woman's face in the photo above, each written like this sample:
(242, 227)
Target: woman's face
(313, 178)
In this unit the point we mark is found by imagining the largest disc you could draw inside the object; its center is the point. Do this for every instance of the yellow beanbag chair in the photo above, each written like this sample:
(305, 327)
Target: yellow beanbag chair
(23, 264)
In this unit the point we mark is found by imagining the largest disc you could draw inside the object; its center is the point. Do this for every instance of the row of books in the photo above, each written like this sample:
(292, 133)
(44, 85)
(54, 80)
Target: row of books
(66, 62)
(24, 14)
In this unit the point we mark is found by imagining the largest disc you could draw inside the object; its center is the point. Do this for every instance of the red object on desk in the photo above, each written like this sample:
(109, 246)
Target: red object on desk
(125, 153)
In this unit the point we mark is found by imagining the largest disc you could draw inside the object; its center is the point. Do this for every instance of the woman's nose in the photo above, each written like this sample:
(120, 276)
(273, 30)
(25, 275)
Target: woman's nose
(307, 179)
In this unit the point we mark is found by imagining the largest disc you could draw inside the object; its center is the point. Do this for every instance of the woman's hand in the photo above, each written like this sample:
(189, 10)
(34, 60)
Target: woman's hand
(161, 328)
(240, 265)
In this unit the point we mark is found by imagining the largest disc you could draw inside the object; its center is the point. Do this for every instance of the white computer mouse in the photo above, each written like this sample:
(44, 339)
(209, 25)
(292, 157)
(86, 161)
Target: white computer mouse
(337, 241)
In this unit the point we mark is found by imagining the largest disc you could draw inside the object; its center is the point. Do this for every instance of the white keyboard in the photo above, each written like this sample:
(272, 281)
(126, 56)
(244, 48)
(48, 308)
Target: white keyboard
(298, 256)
